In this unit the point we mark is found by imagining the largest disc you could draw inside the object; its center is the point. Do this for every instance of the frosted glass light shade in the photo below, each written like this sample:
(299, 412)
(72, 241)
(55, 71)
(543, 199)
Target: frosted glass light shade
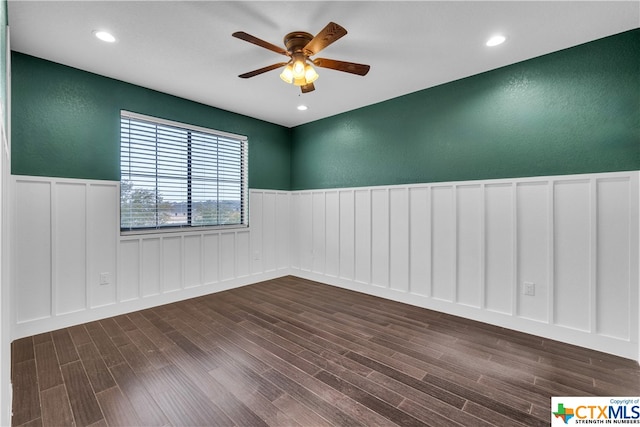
(287, 74)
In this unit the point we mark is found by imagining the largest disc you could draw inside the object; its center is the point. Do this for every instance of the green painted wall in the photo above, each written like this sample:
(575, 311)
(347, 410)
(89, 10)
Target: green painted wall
(573, 111)
(66, 123)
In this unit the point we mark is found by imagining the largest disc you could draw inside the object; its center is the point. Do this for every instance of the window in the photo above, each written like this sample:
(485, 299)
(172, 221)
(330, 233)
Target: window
(175, 175)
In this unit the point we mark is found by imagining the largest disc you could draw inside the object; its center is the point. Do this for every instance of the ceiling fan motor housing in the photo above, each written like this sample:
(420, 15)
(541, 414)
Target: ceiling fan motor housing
(296, 41)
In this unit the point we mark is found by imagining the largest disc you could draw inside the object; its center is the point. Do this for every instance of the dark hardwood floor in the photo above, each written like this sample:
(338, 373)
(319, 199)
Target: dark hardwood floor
(291, 352)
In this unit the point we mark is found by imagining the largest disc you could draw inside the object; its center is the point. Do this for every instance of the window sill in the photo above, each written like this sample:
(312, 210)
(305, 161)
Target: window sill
(182, 230)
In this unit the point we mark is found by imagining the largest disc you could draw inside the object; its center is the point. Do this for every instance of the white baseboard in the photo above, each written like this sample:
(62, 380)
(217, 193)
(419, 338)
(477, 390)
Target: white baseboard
(626, 349)
(38, 326)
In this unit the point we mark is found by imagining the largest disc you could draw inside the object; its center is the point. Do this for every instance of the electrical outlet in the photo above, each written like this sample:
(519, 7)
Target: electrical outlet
(529, 288)
(104, 278)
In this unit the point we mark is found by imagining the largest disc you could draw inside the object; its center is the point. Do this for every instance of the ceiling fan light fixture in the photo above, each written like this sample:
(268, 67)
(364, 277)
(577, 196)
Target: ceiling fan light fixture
(299, 74)
(298, 68)
(300, 82)
(300, 47)
(287, 74)
(310, 74)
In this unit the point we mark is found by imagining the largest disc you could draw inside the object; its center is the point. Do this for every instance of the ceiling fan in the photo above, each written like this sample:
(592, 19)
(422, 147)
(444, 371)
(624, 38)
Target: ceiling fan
(300, 46)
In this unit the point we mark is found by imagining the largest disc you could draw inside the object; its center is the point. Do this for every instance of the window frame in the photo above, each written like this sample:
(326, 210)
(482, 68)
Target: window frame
(185, 228)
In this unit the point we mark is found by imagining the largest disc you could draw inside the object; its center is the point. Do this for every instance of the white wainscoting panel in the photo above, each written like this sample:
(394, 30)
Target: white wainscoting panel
(465, 248)
(443, 240)
(269, 237)
(277, 239)
(242, 254)
(102, 249)
(399, 239)
(129, 271)
(616, 258)
(470, 228)
(533, 228)
(67, 237)
(468, 248)
(70, 218)
(362, 220)
(347, 235)
(32, 261)
(318, 238)
(332, 227)
(152, 280)
(211, 256)
(172, 262)
(259, 204)
(499, 248)
(572, 254)
(380, 237)
(302, 237)
(420, 241)
(193, 261)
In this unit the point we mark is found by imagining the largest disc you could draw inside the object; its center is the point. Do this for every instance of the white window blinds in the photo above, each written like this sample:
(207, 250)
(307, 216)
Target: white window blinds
(177, 175)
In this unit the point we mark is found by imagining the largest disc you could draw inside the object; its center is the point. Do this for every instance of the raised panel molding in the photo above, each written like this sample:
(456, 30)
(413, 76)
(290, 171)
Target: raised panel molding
(467, 248)
(464, 248)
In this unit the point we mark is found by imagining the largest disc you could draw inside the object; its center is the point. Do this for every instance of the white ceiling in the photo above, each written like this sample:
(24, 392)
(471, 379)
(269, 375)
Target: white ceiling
(186, 49)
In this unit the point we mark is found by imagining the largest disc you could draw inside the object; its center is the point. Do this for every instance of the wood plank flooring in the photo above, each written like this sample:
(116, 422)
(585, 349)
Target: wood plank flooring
(291, 352)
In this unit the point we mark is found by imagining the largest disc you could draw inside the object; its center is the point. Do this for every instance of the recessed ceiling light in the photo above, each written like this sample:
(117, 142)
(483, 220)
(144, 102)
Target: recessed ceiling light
(302, 107)
(496, 40)
(104, 36)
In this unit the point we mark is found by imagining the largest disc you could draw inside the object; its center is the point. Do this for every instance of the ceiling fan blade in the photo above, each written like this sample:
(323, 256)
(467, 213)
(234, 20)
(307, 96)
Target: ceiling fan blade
(324, 38)
(262, 70)
(308, 88)
(347, 67)
(252, 39)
